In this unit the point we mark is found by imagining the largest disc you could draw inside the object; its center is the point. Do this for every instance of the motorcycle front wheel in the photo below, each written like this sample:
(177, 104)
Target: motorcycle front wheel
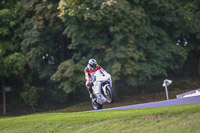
(110, 94)
(96, 105)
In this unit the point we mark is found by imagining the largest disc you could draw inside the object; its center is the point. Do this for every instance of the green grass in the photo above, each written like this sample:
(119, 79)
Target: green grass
(176, 119)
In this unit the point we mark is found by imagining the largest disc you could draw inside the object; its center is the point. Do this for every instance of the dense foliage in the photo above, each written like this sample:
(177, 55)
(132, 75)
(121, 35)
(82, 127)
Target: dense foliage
(45, 45)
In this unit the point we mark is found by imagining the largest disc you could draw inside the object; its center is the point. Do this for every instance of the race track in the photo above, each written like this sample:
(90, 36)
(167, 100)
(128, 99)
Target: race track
(179, 101)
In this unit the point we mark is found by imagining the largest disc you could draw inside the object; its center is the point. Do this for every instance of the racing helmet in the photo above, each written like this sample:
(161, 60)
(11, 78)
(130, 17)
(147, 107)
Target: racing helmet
(92, 64)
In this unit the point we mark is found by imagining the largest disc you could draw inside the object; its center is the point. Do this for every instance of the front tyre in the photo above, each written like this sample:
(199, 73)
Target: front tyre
(95, 104)
(110, 94)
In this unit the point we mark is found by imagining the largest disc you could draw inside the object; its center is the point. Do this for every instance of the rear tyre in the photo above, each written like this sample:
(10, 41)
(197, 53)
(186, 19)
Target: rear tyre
(110, 94)
(95, 104)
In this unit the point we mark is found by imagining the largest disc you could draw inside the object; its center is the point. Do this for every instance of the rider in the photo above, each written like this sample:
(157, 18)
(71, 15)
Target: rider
(90, 70)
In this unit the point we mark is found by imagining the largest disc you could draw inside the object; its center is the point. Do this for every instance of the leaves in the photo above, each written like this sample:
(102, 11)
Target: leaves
(66, 76)
(30, 95)
(14, 64)
(134, 40)
(139, 39)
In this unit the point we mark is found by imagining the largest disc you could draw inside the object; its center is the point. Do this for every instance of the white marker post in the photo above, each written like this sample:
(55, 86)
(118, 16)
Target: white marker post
(166, 83)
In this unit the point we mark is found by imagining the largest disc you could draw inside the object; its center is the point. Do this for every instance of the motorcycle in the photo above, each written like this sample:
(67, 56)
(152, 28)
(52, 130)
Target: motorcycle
(102, 89)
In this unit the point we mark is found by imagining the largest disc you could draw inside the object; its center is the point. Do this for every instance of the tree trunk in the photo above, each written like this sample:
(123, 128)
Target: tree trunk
(4, 96)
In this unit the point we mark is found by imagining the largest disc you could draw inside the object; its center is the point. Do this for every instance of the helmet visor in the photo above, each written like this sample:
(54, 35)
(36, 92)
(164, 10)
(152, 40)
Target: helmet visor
(93, 66)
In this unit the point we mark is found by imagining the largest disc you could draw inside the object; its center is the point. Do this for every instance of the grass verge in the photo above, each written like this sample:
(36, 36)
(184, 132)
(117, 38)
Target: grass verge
(182, 118)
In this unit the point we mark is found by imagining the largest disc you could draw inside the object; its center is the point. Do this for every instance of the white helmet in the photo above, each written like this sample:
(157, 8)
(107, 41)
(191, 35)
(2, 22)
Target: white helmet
(92, 63)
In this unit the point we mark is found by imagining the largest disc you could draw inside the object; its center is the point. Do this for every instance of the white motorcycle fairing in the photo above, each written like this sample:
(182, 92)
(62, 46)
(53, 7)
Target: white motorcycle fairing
(101, 77)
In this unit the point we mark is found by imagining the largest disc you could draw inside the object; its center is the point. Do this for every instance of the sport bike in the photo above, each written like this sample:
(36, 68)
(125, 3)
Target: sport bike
(102, 89)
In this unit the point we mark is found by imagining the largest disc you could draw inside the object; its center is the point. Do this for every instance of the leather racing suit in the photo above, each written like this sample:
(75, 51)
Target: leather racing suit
(90, 78)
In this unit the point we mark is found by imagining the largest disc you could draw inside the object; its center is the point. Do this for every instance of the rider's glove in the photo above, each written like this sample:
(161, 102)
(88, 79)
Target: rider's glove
(90, 85)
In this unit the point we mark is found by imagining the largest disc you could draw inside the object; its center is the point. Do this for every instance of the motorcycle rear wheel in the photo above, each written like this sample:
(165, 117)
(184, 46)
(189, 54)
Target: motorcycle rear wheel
(96, 105)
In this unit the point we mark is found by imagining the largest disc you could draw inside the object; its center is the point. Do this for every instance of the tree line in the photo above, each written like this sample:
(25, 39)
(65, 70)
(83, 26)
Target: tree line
(46, 44)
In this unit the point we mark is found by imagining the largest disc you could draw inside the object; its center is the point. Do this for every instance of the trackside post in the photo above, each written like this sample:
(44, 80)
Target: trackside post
(166, 83)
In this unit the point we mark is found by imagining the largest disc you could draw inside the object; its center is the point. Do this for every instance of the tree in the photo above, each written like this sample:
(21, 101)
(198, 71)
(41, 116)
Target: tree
(43, 43)
(193, 37)
(11, 62)
(30, 95)
(12, 65)
(137, 39)
(99, 28)
(69, 76)
(41, 34)
(160, 52)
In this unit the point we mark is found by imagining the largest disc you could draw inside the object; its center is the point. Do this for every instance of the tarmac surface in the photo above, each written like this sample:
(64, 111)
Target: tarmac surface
(179, 101)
